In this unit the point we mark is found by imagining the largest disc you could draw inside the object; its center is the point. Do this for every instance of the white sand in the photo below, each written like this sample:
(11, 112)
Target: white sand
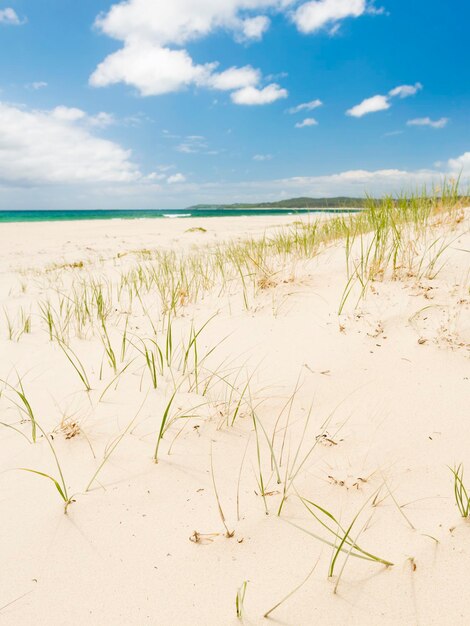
(393, 381)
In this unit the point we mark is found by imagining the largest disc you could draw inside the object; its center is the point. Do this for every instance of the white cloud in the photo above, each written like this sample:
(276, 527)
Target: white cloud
(235, 78)
(262, 157)
(153, 70)
(317, 14)
(155, 176)
(254, 96)
(460, 166)
(403, 91)
(101, 120)
(382, 103)
(143, 191)
(427, 121)
(176, 178)
(10, 17)
(369, 105)
(255, 27)
(72, 114)
(152, 58)
(154, 36)
(308, 121)
(349, 182)
(39, 147)
(181, 21)
(306, 106)
(67, 114)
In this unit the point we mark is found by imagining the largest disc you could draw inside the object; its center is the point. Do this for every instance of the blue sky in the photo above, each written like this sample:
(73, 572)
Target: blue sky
(155, 104)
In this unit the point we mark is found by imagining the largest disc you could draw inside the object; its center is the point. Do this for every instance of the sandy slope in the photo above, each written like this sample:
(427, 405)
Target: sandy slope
(388, 386)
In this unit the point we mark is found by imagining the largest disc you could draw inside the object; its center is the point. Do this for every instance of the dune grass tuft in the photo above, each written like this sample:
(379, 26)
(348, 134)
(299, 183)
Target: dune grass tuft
(462, 498)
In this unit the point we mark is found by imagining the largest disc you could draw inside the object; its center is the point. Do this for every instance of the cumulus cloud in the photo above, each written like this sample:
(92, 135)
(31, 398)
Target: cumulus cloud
(72, 114)
(181, 21)
(155, 35)
(153, 57)
(427, 121)
(308, 121)
(41, 147)
(255, 96)
(9, 16)
(382, 103)
(460, 166)
(369, 105)
(360, 181)
(317, 14)
(67, 114)
(235, 78)
(176, 178)
(153, 70)
(306, 106)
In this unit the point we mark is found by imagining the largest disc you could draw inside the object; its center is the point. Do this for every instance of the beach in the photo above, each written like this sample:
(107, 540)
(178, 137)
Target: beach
(213, 413)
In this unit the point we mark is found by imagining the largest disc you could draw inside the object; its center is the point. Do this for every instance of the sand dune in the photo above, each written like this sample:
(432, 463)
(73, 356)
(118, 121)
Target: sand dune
(267, 401)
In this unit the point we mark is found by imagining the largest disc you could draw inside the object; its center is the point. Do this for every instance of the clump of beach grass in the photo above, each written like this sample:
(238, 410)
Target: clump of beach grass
(341, 539)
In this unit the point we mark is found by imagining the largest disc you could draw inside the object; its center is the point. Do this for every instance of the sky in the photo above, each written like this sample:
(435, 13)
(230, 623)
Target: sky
(159, 104)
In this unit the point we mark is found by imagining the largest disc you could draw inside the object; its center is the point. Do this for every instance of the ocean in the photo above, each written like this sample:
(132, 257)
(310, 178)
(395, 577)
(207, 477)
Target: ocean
(113, 214)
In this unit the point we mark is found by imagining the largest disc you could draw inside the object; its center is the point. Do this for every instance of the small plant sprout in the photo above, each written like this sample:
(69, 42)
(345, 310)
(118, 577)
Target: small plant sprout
(163, 424)
(461, 495)
(59, 482)
(240, 600)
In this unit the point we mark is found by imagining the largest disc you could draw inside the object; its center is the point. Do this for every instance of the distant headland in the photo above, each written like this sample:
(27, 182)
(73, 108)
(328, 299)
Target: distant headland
(338, 202)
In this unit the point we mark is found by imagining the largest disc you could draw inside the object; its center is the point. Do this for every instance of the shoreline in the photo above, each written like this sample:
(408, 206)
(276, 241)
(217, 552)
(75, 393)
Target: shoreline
(33, 216)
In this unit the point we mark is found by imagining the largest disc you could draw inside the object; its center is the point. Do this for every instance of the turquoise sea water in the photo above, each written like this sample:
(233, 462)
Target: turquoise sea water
(110, 214)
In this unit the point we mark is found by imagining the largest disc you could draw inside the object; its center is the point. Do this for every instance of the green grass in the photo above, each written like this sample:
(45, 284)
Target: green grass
(240, 600)
(23, 404)
(76, 363)
(228, 533)
(291, 593)
(164, 424)
(58, 482)
(139, 314)
(340, 537)
(462, 498)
